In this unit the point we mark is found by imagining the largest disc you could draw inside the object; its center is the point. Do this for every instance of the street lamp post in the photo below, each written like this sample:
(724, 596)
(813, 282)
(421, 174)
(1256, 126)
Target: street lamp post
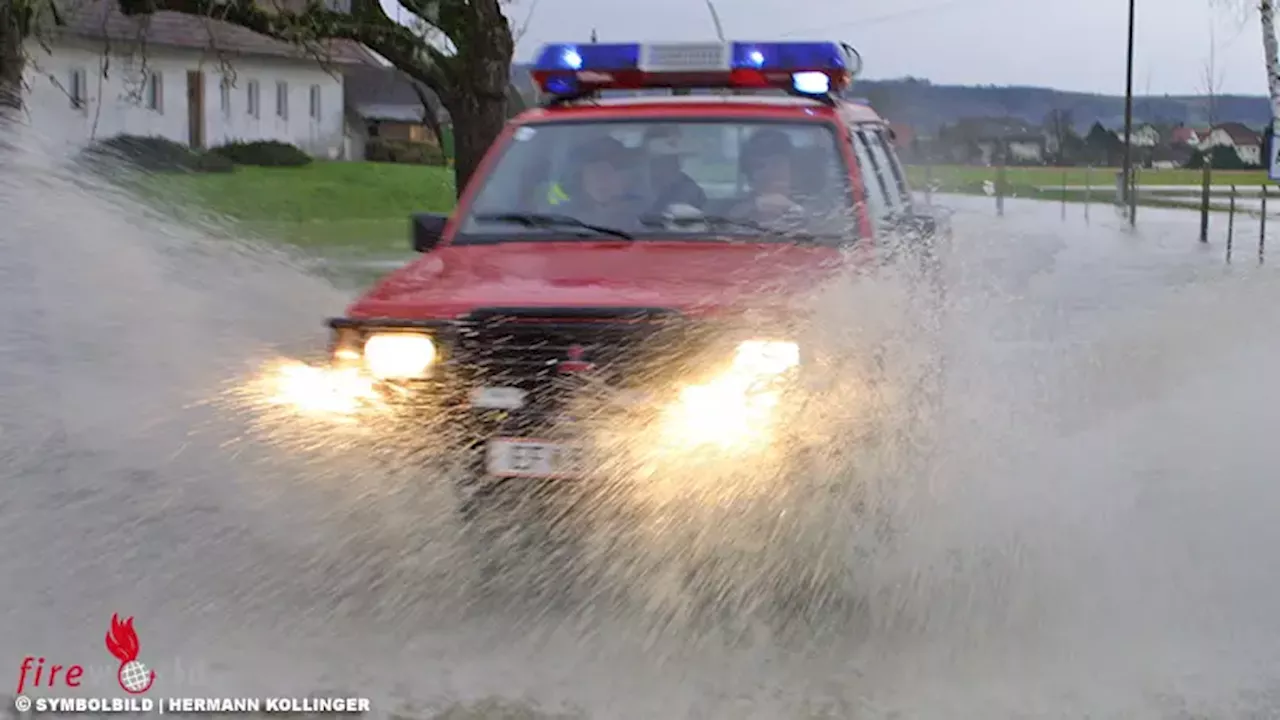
(1129, 192)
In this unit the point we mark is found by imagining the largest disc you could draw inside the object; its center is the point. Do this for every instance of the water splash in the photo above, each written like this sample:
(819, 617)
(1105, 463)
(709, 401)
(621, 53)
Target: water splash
(1078, 532)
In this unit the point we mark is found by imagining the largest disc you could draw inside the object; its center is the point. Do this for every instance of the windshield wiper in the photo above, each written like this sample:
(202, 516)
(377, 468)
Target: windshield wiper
(658, 221)
(547, 221)
(724, 220)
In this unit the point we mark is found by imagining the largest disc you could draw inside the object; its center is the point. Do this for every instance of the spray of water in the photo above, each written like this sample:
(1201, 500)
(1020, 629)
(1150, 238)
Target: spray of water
(1078, 528)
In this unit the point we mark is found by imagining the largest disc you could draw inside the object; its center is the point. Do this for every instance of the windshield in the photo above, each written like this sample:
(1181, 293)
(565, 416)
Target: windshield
(726, 179)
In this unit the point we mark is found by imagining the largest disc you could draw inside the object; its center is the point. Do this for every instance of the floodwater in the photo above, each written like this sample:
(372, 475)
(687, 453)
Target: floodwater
(1091, 537)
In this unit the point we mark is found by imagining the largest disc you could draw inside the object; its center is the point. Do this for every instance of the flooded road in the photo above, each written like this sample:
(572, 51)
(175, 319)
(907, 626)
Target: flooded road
(1095, 540)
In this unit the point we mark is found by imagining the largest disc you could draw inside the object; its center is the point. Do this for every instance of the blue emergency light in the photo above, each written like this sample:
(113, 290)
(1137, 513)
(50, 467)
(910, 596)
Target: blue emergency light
(805, 68)
(594, 56)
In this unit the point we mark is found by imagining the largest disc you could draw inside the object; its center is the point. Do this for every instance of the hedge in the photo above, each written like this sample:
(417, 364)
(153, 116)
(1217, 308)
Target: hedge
(403, 151)
(263, 153)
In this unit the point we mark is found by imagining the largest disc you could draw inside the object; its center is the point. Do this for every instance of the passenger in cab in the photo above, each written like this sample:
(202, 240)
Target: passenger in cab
(602, 197)
(767, 160)
(671, 185)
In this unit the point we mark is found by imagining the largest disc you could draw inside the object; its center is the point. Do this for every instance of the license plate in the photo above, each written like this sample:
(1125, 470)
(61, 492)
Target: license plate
(525, 457)
(498, 398)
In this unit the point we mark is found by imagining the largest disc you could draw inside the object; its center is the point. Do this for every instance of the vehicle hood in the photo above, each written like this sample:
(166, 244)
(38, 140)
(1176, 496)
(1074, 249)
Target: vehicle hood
(695, 278)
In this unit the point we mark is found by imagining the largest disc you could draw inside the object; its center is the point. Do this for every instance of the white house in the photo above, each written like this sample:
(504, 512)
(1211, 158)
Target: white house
(1145, 136)
(189, 79)
(1022, 148)
(1246, 143)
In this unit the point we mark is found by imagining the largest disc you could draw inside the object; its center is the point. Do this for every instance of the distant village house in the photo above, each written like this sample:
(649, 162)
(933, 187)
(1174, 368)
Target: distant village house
(192, 80)
(1187, 137)
(1246, 142)
(987, 141)
(1145, 136)
(384, 103)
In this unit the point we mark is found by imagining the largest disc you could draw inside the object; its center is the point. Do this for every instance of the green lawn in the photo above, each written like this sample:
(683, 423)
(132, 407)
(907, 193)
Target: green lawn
(322, 206)
(1026, 181)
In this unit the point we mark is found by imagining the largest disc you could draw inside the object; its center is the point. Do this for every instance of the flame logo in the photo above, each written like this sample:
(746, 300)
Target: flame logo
(122, 642)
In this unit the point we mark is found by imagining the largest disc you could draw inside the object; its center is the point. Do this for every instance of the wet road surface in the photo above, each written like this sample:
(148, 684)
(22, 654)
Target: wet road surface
(1096, 540)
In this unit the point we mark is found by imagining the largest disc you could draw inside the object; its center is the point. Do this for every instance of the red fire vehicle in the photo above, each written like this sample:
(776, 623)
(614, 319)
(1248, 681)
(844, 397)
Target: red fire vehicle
(637, 249)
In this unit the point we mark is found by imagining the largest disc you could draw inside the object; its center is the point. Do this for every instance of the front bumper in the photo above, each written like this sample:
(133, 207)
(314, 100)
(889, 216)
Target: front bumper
(609, 383)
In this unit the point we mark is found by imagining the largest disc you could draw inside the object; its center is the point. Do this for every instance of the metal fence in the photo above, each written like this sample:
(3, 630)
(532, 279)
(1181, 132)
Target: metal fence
(1213, 203)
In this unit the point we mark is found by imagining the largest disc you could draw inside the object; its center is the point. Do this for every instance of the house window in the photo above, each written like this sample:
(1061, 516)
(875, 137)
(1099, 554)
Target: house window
(224, 96)
(155, 91)
(78, 90)
(251, 99)
(282, 100)
(315, 102)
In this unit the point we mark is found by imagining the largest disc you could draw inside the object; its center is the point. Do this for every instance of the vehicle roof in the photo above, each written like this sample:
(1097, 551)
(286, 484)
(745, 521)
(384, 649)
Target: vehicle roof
(774, 106)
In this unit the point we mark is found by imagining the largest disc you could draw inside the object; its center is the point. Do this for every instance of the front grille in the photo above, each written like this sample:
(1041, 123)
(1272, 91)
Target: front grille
(537, 349)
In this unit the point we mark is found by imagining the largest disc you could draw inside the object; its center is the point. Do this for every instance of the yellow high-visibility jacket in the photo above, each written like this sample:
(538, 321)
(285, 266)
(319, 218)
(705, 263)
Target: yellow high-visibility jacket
(556, 194)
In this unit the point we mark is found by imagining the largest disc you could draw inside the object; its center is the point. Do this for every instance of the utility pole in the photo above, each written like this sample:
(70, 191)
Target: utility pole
(1128, 122)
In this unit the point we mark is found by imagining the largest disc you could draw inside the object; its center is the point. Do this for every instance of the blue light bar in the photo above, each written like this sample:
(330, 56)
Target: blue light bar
(562, 57)
(807, 68)
(790, 56)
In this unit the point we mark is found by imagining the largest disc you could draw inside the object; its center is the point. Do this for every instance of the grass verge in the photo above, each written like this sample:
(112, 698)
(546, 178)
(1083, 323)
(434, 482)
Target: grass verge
(1045, 183)
(969, 179)
(343, 207)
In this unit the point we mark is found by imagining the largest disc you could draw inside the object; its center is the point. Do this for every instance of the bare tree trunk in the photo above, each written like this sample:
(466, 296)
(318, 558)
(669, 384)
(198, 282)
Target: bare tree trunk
(477, 120)
(478, 115)
(12, 58)
(1267, 13)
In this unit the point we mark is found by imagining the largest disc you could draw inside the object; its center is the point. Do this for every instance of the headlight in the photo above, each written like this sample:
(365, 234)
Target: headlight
(399, 356)
(738, 407)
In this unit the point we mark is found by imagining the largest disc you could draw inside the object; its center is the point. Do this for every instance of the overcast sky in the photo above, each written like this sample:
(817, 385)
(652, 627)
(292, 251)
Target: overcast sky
(1066, 44)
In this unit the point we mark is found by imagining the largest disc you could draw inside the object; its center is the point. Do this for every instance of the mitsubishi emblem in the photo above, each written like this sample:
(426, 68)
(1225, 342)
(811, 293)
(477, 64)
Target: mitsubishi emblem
(574, 362)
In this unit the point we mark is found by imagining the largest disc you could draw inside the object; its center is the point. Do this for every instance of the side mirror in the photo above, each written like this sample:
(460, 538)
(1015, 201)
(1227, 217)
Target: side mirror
(912, 221)
(427, 230)
(924, 224)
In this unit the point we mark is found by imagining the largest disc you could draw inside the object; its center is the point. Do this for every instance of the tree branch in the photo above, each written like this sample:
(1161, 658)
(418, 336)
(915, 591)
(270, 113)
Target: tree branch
(528, 18)
(367, 23)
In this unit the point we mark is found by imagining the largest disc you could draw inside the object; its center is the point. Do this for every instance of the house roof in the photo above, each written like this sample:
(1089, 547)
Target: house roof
(1183, 135)
(387, 94)
(1239, 133)
(102, 20)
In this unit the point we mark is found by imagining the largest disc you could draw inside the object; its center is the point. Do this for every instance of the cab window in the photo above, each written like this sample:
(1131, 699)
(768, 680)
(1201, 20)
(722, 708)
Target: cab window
(881, 158)
(881, 137)
(668, 179)
(879, 205)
